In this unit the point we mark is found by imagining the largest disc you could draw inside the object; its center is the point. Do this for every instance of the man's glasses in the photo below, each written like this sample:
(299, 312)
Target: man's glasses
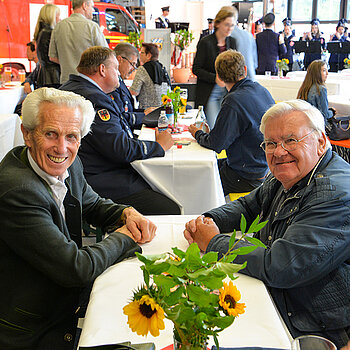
(134, 66)
(289, 144)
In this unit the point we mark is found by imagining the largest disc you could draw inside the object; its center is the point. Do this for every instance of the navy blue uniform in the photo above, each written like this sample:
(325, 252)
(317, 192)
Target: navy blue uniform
(310, 57)
(107, 152)
(336, 60)
(269, 51)
(289, 47)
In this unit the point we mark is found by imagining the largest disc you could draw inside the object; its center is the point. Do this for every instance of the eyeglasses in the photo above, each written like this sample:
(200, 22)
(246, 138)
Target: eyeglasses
(134, 66)
(289, 144)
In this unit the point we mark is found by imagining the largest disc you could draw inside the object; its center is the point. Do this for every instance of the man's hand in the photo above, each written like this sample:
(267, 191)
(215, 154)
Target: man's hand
(201, 231)
(281, 39)
(149, 110)
(126, 232)
(164, 139)
(193, 129)
(142, 229)
(27, 89)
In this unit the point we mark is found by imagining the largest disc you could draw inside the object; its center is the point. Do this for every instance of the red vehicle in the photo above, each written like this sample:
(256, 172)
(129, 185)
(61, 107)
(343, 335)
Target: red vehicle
(18, 19)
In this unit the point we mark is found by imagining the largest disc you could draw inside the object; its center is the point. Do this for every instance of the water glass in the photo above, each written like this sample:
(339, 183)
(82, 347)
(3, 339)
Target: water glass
(268, 74)
(312, 342)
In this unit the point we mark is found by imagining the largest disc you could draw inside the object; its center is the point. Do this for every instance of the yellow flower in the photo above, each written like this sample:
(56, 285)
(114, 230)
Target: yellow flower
(144, 316)
(165, 99)
(228, 300)
(176, 88)
(286, 60)
(278, 61)
(345, 60)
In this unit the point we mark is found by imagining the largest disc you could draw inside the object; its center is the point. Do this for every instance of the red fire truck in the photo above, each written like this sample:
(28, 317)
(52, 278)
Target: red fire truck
(18, 19)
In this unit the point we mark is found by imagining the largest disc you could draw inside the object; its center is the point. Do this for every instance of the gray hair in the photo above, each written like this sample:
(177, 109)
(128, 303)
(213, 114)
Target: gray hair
(31, 107)
(127, 50)
(315, 117)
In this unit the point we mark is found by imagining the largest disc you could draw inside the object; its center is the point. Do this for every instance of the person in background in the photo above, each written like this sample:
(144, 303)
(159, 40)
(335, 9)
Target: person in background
(236, 129)
(49, 74)
(162, 21)
(72, 36)
(44, 197)
(289, 39)
(209, 30)
(336, 60)
(313, 89)
(107, 152)
(313, 35)
(209, 90)
(306, 201)
(151, 79)
(270, 46)
(246, 45)
(259, 26)
(288, 22)
(31, 79)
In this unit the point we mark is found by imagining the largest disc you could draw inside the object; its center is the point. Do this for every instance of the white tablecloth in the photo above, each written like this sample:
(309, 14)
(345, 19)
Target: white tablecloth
(341, 103)
(189, 175)
(283, 89)
(10, 133)
(10, 97)
(105, 322)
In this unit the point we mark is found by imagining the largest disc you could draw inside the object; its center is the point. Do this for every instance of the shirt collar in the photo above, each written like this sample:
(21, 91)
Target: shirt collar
(89, 79)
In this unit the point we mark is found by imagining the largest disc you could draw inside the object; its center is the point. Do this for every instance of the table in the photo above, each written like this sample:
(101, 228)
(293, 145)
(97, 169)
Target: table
(189, 175)
(341, 103)
(10, 96)
(287, 88)
(105, 322)
(10, 133)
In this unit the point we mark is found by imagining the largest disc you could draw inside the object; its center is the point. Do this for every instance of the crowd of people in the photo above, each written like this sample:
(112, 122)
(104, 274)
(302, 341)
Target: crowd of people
(75, 166)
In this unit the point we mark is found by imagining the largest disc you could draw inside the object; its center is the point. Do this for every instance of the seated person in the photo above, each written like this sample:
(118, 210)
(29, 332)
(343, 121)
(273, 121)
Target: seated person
(43, 199)
(236, 129)
(306, 200)
(151, 79)
(313, 89)
(127, 56)
(109, 149)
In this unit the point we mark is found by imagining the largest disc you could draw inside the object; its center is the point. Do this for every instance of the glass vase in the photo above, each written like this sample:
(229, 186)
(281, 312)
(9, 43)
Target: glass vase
(180, 346)
(280, 73)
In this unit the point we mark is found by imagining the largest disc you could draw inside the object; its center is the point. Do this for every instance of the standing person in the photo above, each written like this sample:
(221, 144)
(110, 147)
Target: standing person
(246, 45)
(49, 74)
(270, 46)
(151, 79)
(162, 21)
(209, 30)
(306, 201)
(289, 39)
(72, 36)
(208, 86)
(236, 129)
(313, 89)
(336, 60)
(259, 26)
(44, 269)
(313, 35)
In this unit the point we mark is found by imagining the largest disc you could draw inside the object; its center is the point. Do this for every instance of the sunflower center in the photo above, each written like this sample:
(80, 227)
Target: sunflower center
(230, 301)
(146, 310)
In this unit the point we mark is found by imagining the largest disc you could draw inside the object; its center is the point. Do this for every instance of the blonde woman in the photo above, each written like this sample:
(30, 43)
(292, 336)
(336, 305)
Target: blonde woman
(49, 74)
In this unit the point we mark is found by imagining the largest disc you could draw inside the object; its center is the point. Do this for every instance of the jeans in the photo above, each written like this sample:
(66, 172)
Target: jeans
(214, 104)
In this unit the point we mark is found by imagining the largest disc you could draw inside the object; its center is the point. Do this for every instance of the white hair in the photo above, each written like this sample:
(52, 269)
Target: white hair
(315, 117)
(31, 107)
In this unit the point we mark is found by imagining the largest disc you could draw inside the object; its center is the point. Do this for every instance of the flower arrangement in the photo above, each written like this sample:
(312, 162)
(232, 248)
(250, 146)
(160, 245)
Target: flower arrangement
(282, 64)
(134, 39)
(346, 63)
(173, 98)
(188, 289)
(183, 39)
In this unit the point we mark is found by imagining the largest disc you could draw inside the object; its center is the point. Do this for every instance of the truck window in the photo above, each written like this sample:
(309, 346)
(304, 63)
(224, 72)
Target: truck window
(96, 15)
(118, 21)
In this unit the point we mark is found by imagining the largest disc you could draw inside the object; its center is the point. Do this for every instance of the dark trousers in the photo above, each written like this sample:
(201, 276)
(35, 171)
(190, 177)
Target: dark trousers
(149, 202)
(232, 182)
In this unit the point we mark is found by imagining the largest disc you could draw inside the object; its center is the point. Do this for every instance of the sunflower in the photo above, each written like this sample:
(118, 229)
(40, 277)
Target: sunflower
(228, 300)
(176, 88)
(145, 315)
(165, 99)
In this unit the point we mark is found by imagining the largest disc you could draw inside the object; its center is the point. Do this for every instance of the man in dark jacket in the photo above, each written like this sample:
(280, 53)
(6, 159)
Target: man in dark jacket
(109, 149)
(43, 199)
(270, 46)
(306, 200)
(236, 129)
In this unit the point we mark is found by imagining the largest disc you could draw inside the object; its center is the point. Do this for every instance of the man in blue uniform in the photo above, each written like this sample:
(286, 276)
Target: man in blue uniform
(162, 21)
(289, 39)
(107, 152)
(270, 46)
(209, 30)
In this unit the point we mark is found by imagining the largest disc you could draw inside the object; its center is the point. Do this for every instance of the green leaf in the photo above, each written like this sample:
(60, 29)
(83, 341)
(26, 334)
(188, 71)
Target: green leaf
(255, 241)
(176, 271)
(173, 297)
(150, 258)
(252, 227)
(158, 268)
(200, 272)
(229, 258)
(164, 281)
(212, 282)
(145, 276)
(178, 252)
(231, 268)
(193, 256)
(223, 322)
(244, 250)
(210, 257)
(216, 341)
(243, 224)
(232, 239)
(199, 296)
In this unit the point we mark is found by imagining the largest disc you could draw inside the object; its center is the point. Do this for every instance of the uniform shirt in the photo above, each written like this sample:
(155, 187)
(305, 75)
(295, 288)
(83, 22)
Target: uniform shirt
(70, 38)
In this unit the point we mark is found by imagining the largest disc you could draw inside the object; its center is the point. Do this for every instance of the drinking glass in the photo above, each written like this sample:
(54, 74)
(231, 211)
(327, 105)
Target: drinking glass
(22, 75)
(268, 74)
(312, 342)
(7, 74)
(183, 95)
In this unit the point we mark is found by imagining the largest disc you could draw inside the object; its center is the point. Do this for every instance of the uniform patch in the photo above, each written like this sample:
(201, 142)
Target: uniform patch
(104, 115)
